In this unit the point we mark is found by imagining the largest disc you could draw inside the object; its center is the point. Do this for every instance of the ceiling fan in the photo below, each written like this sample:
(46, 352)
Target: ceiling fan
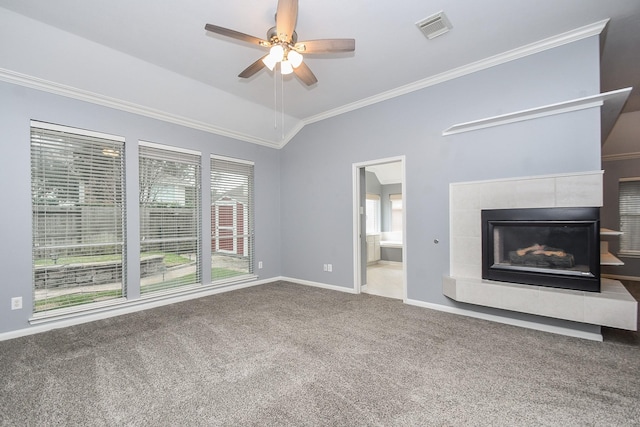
(283, 44)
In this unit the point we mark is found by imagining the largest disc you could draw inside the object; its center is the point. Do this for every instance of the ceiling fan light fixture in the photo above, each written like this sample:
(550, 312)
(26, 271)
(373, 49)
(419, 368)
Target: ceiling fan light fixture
(294, 58)
(286, 67)
(269, 62)
(277, 53)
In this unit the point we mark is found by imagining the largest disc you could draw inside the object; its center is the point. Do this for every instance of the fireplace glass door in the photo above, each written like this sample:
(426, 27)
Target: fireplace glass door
(544, 247)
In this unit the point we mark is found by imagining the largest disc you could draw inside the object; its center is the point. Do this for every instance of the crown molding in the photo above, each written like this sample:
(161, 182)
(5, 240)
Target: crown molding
(83, 95)
(501, 58)
(119, 104)
(621, 156)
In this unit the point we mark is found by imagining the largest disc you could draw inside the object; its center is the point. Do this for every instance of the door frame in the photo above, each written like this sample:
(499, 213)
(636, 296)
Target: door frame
(359, 238)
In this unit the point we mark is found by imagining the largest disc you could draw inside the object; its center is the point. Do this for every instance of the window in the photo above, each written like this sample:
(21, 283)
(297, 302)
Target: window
(629, 208)
(396, 212)
(77, 193)
(373, 213)
(170, 217)
(231, 218)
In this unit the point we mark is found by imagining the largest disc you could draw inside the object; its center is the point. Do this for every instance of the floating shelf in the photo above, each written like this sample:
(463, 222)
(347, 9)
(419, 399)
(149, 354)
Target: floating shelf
(609, 232)
(607, 258)
(611, 103)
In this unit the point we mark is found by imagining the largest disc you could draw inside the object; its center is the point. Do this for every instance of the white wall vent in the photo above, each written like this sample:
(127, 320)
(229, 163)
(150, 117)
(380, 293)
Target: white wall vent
(434, 25)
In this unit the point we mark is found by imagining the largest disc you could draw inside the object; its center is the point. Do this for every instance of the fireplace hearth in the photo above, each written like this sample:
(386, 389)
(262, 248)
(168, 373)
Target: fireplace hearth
(555, 247)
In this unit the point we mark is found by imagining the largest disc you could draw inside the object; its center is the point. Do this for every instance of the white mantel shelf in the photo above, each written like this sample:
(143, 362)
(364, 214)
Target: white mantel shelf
(613, 306)
(611, 103)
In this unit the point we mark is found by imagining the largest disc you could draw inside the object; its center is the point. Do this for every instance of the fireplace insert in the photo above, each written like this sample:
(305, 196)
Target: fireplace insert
(556, 247)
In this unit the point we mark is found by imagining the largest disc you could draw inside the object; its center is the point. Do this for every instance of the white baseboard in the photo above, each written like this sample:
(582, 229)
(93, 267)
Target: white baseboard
(508, 321)
(44, 325)
(319, 285)
(140, 305)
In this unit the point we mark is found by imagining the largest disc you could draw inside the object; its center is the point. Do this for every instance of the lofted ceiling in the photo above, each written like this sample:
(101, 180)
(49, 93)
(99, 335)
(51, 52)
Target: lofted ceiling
(391, 53)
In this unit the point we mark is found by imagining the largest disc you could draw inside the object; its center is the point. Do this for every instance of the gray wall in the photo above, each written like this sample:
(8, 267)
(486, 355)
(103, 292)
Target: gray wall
(18, 105)
(372, 184)
(304, 215)
(412, 125)
(609, 214)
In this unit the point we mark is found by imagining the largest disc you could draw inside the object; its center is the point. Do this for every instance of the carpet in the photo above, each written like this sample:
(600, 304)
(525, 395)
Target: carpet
(287, 354)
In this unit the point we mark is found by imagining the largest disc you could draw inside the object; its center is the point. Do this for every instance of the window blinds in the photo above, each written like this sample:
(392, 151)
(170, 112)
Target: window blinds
(629, 205)
(396, 212)
(77, 190)
(170, 217)
(232, 243)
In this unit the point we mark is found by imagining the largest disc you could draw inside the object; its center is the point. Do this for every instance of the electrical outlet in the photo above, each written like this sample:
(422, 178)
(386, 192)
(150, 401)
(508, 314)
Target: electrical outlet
(16, 303)
(329, 268)
(324, 267)
(259, 264)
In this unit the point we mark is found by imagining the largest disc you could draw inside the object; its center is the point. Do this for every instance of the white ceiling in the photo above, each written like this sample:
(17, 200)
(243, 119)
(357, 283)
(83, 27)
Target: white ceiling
(387, 173)
(390, 51)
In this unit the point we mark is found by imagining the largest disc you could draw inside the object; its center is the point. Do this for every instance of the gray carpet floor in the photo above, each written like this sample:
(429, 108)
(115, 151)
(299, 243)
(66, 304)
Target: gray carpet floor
(286, 354)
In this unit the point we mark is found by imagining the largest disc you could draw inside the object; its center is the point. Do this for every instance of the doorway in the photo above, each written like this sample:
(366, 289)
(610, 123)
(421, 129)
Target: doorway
(379, 227)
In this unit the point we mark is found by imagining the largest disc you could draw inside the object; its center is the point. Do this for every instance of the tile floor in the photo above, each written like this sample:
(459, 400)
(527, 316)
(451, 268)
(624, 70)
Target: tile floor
(385, 280)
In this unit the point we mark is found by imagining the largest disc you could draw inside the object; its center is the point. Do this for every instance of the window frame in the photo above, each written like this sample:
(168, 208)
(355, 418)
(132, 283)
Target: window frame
(88, 159)
(156, 278)
(232, 185)
(634, 205)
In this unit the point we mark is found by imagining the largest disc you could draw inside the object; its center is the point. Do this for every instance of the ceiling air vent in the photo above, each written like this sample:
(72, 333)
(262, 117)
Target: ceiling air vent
(434, 25)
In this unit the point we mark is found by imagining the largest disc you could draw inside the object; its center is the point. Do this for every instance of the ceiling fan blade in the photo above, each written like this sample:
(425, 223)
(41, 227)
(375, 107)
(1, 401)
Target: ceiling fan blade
(253, 68)
(326, 46)
(305, 74)
(286, 16)
(237, 35)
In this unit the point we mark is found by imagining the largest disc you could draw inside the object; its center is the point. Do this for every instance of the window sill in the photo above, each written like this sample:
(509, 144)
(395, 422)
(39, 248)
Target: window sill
(629, 254)
(124, 305)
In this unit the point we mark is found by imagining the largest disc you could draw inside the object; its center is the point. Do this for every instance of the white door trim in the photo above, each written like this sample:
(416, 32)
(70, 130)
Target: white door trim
(357, 279)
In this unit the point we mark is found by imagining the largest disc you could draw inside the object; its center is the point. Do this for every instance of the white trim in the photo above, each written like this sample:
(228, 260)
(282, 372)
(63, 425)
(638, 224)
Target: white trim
(629, 179)
(119, 104)
(592, 101)
(622, 156)
(68, 129)
(357, 279)
(520, 116)
(318, 285)
(499, 59)
(507, 320)
(173, 148)
(133, 306)
(232, 159)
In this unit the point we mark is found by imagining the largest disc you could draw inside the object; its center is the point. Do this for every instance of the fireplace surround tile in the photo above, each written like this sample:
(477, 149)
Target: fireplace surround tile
(578, 191)
(531, 193)
(612, 307)
(561, 303)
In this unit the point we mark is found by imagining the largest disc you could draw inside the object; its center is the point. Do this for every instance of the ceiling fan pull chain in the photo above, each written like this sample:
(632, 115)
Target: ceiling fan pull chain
(275, 102)
(282, 97)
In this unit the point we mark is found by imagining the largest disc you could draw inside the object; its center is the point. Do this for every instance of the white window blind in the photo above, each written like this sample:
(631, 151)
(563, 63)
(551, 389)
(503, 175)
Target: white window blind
(396, 212)
(373, 213)
(170, 218)
(629, 205)
(77, 190)
(232, 243)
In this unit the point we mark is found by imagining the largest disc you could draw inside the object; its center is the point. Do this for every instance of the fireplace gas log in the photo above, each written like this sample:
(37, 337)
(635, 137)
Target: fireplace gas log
(538, 255)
